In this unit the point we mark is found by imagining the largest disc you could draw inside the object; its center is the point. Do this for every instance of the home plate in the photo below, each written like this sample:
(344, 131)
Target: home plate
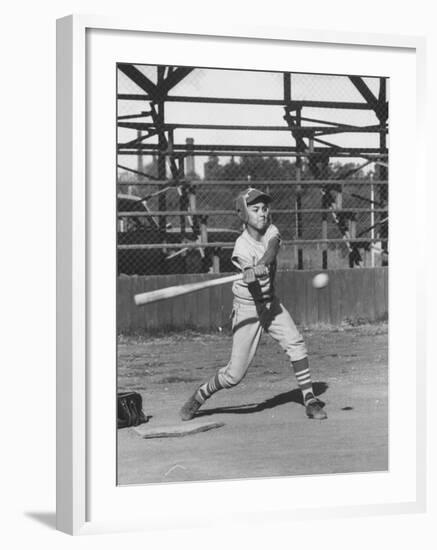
(146, 431)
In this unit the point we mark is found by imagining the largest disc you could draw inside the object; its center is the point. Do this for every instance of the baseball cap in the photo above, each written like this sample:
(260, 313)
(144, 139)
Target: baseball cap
(250, 196)
(254, 195)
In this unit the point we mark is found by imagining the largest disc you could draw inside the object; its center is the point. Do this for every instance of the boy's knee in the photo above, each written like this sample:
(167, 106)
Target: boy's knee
(297, 350)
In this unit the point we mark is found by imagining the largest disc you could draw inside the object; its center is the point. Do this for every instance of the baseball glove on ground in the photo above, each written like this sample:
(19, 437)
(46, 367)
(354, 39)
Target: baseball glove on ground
(130, 409)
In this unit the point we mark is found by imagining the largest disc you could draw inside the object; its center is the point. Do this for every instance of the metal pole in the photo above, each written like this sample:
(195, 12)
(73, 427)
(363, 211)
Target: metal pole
(162, 145)
(183, 199)
(298, 199)
(299, 195)
(372, 220)
(325, 236)
(383, 170)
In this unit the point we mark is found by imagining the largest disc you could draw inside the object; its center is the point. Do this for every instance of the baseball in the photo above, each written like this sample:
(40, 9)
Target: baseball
(320, 280)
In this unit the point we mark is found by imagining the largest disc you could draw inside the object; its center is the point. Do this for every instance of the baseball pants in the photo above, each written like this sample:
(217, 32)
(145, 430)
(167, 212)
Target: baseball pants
(248, 324)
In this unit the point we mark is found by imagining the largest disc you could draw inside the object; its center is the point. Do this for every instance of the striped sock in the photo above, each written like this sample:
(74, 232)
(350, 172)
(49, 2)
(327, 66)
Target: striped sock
(303, 376)
(206, 390)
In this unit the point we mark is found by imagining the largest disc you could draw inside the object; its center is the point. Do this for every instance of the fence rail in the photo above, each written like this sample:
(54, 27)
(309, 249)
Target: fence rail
(142, 213)
(233, 183)
(231, 244)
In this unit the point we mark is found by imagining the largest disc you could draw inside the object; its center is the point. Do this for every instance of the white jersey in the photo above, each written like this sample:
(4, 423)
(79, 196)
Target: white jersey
(247, 253)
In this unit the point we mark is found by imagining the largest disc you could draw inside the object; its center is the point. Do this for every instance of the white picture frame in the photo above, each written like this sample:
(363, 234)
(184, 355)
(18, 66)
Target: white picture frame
(76, 396)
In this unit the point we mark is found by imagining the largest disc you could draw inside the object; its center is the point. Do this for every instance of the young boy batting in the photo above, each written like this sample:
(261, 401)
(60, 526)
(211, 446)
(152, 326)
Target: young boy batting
(257, 309)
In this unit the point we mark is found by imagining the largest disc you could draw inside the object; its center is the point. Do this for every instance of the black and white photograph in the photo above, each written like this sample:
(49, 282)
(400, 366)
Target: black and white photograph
(219, 299)
(252, 273)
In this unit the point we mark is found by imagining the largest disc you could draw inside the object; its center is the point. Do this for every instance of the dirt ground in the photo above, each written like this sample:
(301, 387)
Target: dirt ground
(266, 432)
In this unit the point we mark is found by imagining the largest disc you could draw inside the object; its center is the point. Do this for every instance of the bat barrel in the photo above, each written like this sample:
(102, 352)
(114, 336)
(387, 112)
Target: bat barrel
(174, 291)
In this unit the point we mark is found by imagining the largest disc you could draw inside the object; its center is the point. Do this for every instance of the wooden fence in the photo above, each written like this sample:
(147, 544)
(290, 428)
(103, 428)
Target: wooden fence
(353, 295)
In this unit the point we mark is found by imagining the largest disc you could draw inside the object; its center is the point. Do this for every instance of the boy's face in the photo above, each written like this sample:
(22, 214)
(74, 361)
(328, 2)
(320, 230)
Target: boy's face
(258, 215)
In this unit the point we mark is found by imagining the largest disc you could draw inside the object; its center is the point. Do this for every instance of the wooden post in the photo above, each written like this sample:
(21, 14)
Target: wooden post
(203, 229)
(287, 87)
(203, 233)
(215, 261)
(190, 167)
(339, 199)
(353, 227)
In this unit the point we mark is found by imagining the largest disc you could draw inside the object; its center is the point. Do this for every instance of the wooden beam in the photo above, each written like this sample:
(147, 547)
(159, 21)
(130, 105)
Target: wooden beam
(139, 78)
(236, 101)
(173, 79)
(364, 90)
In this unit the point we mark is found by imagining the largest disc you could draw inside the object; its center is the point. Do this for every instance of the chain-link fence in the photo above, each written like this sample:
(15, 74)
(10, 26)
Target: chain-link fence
(190, 140)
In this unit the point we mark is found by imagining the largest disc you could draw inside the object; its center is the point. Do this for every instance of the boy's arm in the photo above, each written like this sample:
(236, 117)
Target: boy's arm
(270, 254)
(250, 272)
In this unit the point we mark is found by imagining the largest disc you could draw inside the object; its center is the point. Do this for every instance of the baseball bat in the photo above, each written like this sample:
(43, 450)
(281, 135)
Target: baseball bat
(173, 291)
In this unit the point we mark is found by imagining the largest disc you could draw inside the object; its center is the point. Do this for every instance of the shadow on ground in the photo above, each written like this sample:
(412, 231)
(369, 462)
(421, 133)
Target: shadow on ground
(292, 396)
(46, 518)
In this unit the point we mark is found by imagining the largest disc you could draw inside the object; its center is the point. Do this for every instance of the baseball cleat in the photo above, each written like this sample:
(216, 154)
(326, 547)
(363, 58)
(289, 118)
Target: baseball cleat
(314, 409)
(190, 408)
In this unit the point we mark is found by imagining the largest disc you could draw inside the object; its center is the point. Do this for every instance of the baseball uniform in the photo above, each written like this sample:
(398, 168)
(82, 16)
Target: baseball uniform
(256, 309)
